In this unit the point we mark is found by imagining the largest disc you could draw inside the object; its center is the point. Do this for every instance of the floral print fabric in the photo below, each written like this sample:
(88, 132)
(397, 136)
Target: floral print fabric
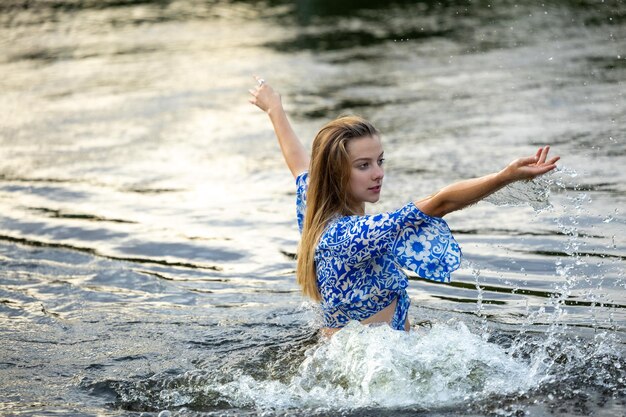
(358, 259)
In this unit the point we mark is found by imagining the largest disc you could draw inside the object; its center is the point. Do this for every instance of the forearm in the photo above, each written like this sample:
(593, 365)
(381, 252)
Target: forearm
(293, 150)
(462, 194)
(268, 100)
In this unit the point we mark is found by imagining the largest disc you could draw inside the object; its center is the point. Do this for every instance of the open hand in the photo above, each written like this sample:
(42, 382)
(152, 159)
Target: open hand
(264, 96)
(532, 166)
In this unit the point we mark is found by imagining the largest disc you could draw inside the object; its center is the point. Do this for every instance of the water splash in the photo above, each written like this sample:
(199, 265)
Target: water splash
(364, 366)
(535, 193)
(574, 217)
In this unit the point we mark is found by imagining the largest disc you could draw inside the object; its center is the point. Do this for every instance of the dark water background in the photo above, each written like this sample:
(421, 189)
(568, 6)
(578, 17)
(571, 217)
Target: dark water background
(147, 220)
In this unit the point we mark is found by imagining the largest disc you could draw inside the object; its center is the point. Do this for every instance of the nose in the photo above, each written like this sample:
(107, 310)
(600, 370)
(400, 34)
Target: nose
(378, 173)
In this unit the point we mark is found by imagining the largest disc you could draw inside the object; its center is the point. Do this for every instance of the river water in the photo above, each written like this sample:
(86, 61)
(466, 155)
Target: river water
(147, 220)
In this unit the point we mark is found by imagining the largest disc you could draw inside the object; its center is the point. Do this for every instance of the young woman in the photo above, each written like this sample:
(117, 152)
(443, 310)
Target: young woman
(348, 261)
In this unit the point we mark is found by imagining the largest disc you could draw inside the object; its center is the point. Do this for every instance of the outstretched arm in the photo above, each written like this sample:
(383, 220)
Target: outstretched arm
(268, 100)
(461, 194)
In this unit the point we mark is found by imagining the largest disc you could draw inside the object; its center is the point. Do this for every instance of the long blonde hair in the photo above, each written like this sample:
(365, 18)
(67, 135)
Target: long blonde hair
(328, 192)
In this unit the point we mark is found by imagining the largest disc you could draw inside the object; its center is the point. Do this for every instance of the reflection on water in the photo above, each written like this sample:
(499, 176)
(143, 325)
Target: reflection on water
(147, 228)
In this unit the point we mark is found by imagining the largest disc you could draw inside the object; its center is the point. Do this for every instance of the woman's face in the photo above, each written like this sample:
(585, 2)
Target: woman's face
(366, 174)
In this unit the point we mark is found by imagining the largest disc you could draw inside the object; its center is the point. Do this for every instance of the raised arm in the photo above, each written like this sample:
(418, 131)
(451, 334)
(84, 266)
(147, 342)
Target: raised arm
(461, 194)
(268, 100)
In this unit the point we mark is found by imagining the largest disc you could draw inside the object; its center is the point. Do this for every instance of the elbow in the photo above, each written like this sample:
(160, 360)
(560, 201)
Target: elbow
(435, 207)
(443, 209)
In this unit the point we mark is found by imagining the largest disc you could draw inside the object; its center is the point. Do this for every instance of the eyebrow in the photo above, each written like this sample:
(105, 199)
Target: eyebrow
(367, 159)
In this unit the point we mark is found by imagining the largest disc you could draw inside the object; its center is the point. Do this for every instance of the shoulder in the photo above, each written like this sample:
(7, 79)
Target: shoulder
(407, 213)
(302, 180)
(303, 175)
(335, 230)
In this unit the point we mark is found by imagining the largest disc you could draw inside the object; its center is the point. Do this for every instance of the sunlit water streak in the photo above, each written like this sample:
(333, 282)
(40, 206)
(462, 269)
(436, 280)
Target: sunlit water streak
(147, 226)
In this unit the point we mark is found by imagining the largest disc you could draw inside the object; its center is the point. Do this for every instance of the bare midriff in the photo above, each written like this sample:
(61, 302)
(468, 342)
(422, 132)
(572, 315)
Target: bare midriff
(383, 316)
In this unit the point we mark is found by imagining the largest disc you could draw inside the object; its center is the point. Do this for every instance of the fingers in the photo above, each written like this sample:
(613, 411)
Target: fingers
(527, 161)
(256, 90)
(544, 154)
(553, 160)
(545, 168)
(260, 82)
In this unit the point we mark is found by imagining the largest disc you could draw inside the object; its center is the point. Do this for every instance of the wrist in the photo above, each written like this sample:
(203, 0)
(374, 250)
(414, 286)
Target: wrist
(505, 177)
(275, 110)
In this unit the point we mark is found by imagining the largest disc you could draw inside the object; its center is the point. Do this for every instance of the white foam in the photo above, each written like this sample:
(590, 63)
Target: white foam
(364, 366)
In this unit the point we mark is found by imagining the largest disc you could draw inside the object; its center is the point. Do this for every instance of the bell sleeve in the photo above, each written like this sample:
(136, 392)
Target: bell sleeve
(426, 246)
(302, 185)
(415, 240)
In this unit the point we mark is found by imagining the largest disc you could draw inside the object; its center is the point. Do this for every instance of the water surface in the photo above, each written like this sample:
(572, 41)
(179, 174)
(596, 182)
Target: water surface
(147, 220)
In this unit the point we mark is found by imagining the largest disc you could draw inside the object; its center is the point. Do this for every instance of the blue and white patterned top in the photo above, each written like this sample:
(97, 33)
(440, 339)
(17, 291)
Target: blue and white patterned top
(358, 259)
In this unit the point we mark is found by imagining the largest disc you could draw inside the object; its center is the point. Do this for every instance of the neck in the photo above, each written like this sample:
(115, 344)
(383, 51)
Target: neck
(359, 208)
